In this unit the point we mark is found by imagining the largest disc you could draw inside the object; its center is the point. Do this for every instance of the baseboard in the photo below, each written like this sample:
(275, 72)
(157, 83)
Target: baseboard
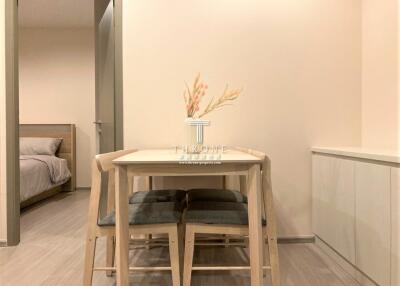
(82, 188)
(3, 243)
(346, 265)
(296, 239)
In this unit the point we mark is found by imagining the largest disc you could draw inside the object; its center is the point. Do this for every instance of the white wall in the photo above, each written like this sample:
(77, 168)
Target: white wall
(380, 74)
(3, 199)
(298, 61)
(57, 85)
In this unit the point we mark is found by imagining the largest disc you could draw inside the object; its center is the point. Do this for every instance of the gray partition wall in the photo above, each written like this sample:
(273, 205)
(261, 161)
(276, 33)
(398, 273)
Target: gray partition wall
(12, 122)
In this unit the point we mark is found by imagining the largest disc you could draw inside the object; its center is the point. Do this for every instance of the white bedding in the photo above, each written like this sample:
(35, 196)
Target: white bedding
(39, 173)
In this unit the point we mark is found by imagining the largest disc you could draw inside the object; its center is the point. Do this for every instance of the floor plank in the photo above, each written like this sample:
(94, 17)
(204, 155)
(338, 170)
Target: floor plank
(52, 247)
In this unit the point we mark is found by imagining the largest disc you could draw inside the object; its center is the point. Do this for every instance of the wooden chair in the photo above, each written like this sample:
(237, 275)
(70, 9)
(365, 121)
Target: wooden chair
(239, 228)
(164, 220)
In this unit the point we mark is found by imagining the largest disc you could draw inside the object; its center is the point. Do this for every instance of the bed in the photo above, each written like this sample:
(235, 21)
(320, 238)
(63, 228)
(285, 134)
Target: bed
(43, 175)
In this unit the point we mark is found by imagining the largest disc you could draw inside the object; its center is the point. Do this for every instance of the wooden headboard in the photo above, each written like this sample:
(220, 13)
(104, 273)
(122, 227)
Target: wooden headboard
(67, 148)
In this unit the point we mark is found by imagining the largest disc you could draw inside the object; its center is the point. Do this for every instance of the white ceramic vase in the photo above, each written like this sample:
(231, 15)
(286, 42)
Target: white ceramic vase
(194, 129)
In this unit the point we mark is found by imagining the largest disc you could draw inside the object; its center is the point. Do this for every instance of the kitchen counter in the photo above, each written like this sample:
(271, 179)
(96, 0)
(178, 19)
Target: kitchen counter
(363, 153)
(356, 205)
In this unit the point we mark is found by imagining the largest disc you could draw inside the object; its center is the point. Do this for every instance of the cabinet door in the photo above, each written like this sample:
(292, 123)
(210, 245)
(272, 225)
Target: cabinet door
(395, 199)
(333, 203)
(372, 184)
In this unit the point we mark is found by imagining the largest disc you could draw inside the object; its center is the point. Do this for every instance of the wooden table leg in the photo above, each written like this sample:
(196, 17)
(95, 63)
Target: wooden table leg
(255, 227)
(122, 226)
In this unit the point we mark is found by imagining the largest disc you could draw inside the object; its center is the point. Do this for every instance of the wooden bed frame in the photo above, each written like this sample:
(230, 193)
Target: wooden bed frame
(67, 151)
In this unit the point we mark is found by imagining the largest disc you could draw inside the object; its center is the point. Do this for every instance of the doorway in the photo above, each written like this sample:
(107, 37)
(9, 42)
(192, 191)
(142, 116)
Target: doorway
(108, 82)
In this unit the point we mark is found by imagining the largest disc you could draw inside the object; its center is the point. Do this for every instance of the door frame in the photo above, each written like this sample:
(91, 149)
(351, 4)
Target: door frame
(118, 76)
(12, 107)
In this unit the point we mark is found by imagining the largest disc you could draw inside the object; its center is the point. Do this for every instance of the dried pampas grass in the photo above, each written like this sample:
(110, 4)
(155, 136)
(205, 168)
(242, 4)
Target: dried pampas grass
(194, 96)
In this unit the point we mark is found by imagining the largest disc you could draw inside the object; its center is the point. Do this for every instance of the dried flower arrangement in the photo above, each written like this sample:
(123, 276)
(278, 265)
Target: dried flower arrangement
(194, 96)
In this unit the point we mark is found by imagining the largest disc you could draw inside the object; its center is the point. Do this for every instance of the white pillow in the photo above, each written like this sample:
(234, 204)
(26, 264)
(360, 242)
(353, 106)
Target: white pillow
(38, 146)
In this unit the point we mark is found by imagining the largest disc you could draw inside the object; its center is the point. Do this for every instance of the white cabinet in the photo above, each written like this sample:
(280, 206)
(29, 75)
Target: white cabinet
(395, 219)
(373, 227)
(333, 203)
(356, 211)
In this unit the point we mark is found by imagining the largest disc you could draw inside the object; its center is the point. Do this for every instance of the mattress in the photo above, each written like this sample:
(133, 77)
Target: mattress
(39, 173)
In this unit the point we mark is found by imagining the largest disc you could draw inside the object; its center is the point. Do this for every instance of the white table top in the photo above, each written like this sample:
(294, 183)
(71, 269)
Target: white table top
(170, 156)
(363, 153)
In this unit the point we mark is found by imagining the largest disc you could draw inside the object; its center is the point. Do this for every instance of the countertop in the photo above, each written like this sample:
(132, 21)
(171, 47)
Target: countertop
(391, 156)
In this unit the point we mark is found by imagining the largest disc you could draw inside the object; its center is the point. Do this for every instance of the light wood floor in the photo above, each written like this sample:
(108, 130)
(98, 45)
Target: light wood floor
(52, 247)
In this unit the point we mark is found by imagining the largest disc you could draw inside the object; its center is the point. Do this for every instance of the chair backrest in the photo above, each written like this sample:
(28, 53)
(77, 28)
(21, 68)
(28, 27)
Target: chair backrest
(102, 163)
(266, 183)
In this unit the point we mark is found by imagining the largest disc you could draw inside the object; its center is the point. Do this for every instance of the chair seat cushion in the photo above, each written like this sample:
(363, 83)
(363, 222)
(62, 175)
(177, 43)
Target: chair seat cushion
(217, 213)
(149, 213)
(216, 195)
(155, 196)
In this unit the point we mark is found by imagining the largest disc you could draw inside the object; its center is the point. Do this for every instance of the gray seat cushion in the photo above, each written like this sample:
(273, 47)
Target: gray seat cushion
(217, 213)
(155, 196)
(149, 213)
(216, 195)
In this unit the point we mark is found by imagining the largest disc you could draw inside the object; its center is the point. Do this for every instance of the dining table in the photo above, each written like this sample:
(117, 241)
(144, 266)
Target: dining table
(171, 162)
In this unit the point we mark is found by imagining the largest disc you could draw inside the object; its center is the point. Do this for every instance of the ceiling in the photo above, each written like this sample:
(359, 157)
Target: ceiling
(56, 13)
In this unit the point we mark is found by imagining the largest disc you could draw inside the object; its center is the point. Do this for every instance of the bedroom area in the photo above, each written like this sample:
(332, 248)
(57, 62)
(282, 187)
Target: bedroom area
(56, 99)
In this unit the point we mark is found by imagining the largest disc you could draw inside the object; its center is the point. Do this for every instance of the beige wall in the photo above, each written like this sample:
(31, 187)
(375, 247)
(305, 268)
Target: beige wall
(57, 85)
(380, 74)
(3, 210)
(298, 61)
